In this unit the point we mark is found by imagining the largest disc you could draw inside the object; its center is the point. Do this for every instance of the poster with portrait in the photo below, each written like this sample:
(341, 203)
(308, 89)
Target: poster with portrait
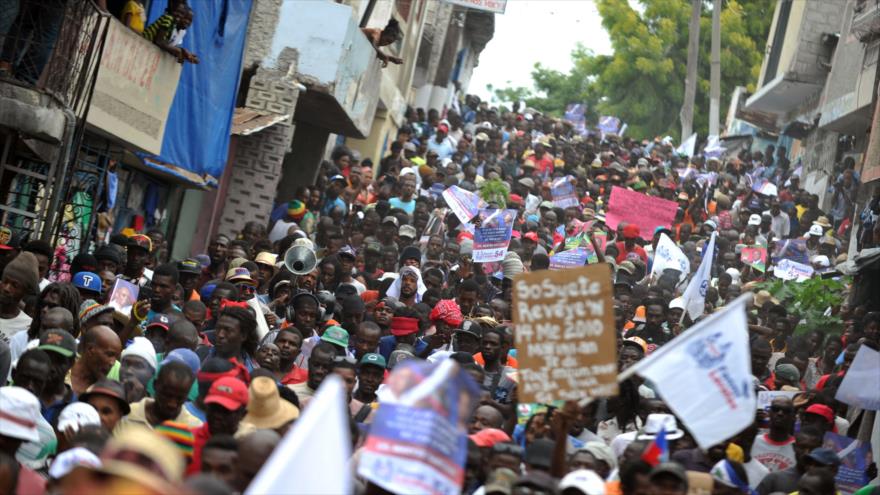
(123, 295)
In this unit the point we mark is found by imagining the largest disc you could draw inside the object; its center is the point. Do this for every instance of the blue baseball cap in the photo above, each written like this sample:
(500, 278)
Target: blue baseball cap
(87, 281)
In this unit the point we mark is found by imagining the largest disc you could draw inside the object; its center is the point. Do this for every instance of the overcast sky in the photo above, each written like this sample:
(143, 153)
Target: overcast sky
(533, 31)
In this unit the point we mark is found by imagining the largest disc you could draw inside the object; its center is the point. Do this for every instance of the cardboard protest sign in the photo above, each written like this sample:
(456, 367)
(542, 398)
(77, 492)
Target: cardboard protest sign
(565, 337)
(563, 192)
(854, 460)
(418, 438)
(756, 257)
(123, 295)
(493, 236)
(648, 212)
(861, 385)
(464, 204)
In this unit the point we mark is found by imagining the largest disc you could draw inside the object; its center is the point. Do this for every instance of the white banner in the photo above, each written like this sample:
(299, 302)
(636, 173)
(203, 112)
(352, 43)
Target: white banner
(861, 385)
(313, 455)
(705, 376)
(695, 294)
(668, 255)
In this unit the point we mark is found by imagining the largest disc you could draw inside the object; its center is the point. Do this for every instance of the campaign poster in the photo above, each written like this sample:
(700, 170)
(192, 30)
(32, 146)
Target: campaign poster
(463, 203)
(569, 258)
(791, 249)
(755, 257)
(854, 456)
(418, 439)
(493, 235)
(563, 192)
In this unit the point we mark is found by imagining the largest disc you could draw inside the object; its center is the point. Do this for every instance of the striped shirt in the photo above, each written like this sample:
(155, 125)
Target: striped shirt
(164, 24)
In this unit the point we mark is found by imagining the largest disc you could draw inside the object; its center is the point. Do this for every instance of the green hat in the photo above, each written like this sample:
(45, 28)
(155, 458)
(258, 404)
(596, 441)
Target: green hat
(336, 335)
(58, 340)
(372, 359)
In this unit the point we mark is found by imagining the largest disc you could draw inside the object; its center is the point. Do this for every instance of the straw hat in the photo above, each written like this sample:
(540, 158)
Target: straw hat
(160, 465)
(266, 409)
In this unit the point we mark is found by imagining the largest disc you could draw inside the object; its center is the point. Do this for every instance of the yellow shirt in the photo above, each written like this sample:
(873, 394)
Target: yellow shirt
(138, 416)
(138, 15)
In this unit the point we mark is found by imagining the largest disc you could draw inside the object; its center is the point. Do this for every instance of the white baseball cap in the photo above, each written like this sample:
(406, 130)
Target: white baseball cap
(19, 413)
(71, 459)
(677, 303)
(816, 230)
(755, 219)
(76, 415)
(585, 481)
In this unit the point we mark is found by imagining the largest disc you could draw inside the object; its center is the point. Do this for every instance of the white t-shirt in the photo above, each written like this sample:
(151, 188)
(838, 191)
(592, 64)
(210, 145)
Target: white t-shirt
(775, 456)
(11, 326)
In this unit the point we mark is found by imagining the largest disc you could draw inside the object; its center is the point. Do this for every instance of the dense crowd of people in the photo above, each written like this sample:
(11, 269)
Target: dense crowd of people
(189, 385)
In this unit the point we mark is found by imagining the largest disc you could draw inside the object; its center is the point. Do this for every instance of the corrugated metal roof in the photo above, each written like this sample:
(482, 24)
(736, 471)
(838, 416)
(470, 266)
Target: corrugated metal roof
(246, 121)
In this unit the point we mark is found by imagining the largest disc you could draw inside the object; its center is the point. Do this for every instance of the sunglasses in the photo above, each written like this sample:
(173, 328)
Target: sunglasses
(345, 359)
(782, 410)
(507, 448)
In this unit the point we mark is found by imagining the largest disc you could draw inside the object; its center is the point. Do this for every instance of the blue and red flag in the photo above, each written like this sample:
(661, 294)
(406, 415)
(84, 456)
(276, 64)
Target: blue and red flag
(658, 450)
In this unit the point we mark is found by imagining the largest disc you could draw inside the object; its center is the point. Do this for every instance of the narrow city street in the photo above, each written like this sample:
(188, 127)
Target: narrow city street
(479, 247)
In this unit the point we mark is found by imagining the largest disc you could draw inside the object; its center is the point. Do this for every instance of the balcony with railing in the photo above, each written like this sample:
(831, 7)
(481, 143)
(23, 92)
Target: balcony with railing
(866, 20)
(52, 47)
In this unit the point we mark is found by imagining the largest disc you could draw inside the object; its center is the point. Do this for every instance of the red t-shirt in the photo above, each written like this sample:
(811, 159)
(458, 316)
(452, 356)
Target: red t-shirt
(625, 255)
(295, 375)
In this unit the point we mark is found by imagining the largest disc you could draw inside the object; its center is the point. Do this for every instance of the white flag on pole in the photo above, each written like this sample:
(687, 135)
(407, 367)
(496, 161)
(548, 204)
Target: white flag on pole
(688, 146)
(705, 376)
(312, 458)
(668, 255)
(695, 294)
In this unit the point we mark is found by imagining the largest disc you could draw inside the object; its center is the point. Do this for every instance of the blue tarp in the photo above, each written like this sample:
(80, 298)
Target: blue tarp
(199, 122)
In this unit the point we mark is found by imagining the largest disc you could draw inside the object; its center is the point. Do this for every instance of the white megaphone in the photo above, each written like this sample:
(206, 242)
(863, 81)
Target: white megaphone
(300, 260)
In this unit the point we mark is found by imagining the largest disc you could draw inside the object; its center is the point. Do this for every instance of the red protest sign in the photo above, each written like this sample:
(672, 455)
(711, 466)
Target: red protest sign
(647, 212)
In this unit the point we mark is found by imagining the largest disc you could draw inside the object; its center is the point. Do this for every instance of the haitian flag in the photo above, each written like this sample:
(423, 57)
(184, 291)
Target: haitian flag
(658, 451)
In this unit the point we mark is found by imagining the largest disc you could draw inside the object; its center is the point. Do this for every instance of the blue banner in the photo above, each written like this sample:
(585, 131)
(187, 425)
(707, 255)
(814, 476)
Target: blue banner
(198, 126)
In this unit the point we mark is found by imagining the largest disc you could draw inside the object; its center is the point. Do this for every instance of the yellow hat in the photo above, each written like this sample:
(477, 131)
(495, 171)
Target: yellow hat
(266, 258)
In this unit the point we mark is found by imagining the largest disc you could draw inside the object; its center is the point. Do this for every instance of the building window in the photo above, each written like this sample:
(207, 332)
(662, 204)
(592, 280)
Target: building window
(778, 40)
(403, 7)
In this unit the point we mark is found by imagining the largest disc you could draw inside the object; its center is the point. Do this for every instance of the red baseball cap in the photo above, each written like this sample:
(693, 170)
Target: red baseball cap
(631, 231)
(229, 392)
(488, 437)
(822, 410)
(532, 236)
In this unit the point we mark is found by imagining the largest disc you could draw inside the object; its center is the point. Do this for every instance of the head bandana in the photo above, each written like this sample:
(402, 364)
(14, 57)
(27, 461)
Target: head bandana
(447, 311)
